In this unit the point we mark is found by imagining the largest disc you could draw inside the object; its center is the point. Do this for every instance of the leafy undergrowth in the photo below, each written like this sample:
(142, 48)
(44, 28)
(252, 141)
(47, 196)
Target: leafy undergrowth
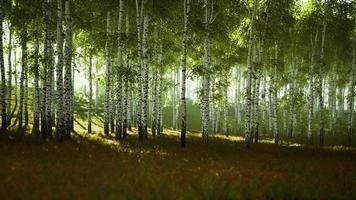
(96, 167)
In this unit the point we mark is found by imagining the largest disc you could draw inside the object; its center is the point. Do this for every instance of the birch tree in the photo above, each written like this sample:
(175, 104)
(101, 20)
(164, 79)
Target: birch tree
(36, 97)
(127, 89)
(184, 72)
(9, 78)
(2, 70)
(119, 132)
(320, 78)
(352, 94)
(139, 19)
(68, 70)
(248, 112)
(145, 73)
(60, 123)
(90, 102)
(107, 79)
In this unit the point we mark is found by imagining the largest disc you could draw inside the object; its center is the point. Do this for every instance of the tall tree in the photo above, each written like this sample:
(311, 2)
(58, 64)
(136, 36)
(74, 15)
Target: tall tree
(248, 118)
(90, 103)
(36, 96)
(2, 70)
(184, 72)
(320, 77)
(119, 132)
(352, 93)
(127, 102)
(59, 72)
(107, 79)
(68, 85)
(145, 73)
(9, 78)
(46, 122)
(139, 19)
(23, 78)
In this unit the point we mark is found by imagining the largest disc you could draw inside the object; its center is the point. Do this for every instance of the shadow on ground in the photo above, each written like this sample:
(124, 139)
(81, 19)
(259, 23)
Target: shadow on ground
(98, 167)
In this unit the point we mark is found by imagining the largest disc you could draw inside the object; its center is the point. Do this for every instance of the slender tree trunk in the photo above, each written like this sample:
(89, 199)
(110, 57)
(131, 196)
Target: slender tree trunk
(145, 75)
(155, 101)
(206, 76)
(107, 80)
(9, 79)
(139, 18)
(22, 79)
(184, 73)
(119, 132)
(256, 102)
(270, 104)
(275, 99)
(36, 98)
(127, 101)
(72, 99)
(2, 71)
(332, 101)
(112, 97)
(154, 89)
(226, 112)
(90, 93)
(59, 73)
(96, 88)
(352, 95)
(176, 95)
(68, 84)
(341, 105)
(290, 132)
(320, 80)
(311, 88)
(46, 122)
(16, 82)
(248, 128)
(159, 96)
(49, 92)
(264, 106)
(26, 91)
(216, 124)
(237, 98)
(174, 104)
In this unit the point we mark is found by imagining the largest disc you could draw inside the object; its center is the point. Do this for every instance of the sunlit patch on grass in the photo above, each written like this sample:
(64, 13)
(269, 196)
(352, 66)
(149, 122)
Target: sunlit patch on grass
(230, 138)
(341, 148)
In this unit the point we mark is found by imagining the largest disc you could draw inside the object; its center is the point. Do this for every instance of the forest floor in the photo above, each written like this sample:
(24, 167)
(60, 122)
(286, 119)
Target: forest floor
(96, 167)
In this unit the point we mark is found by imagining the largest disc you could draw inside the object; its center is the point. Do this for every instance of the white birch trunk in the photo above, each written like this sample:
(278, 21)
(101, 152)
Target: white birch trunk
(90, 93)
(60, 123)
(139, 18)
(68, 84)
(119, 114)
(226, 112)
(2, 71)
(206, 84)
(275, 99)
(184, 72)
(352, 95)
(22, 82)
(107, 79)
(320, 79)
(36, 97)
(9, 79)
(248, 111)
(127, 99)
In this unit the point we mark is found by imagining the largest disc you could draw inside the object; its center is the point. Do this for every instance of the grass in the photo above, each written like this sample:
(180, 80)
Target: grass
(96, 167)
(92, 166)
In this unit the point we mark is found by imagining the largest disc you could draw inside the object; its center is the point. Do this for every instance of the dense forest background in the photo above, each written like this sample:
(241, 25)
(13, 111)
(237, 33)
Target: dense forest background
(276, 69)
